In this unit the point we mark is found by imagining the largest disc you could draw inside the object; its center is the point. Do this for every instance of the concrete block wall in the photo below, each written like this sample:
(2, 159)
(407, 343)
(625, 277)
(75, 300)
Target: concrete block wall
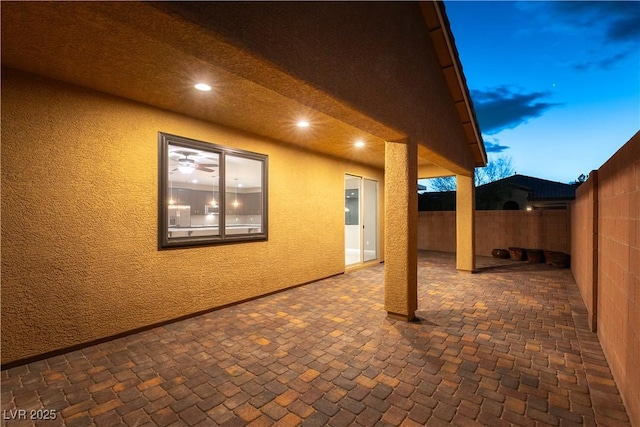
(497, 229)
(618, 282)
(437, 231)
(601, 230)
(538, 229)
(584, 245)
(611, 279)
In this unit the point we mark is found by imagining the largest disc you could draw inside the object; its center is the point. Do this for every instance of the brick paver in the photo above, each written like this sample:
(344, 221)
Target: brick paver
(507, 346)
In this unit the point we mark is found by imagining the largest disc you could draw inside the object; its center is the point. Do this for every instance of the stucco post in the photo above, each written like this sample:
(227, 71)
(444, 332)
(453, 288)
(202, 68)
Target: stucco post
(401, 230)
(465, 223)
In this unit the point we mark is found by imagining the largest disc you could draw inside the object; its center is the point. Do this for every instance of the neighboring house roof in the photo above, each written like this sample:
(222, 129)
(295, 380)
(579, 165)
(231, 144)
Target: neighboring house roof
(548, 194)
(539, 189)
(437, 201)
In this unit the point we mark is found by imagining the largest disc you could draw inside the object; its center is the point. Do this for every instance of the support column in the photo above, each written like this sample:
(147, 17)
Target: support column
(465, 223)
(401, 230)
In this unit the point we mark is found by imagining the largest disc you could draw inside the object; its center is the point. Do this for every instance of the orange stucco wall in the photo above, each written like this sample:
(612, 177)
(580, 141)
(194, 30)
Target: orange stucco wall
(401, 271)
(619, 270)
(539, 229)
(79, 219)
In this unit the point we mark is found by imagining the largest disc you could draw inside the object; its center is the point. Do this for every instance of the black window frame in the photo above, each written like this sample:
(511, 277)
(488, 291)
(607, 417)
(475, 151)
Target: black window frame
(167, 242)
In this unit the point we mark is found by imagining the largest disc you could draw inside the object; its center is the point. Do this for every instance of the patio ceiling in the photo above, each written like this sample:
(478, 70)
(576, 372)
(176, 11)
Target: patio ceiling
(155, 58)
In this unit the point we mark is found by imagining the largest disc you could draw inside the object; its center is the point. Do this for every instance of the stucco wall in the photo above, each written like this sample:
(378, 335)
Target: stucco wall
(539, 229)
(619, 270)
(79, 219)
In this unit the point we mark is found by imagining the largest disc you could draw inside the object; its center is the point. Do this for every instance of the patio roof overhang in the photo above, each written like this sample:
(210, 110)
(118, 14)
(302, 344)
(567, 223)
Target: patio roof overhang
(140, 52)
(444, 43)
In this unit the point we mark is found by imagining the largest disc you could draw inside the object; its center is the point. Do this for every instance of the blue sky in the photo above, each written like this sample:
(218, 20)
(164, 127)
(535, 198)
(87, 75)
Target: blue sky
(555, 84)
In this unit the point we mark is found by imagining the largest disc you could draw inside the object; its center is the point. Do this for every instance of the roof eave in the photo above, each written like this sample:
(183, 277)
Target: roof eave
(435, 16)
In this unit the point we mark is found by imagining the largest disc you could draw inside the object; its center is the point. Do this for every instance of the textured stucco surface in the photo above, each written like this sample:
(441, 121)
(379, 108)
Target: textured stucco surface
(378, 58)
(135, 51)
(355, 70)
(400, 227)
(79, 219)
(465, 223)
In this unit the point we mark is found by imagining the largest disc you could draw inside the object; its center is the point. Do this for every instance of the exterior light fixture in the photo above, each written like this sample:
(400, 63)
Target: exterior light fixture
(202, 87)
(359, 144)
(302, 124)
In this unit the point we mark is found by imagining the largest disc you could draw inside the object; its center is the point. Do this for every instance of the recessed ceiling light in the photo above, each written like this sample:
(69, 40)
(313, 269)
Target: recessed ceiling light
(302, 124)
(203, 87)
(195, 181)
(359, 144)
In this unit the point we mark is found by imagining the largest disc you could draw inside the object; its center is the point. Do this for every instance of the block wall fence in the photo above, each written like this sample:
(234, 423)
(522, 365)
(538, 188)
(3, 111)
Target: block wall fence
(601, 231)
(605, 241)
(539, 229)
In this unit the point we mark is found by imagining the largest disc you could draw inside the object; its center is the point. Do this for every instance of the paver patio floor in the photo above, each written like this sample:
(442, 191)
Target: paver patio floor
(507, 346)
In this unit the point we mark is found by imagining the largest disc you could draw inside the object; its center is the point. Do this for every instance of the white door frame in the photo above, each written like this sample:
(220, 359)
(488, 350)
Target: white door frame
(357, 240)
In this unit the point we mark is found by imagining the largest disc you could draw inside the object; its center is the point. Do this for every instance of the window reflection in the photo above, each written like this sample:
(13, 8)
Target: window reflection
(193, 209)
(243, 187)
(194, 187)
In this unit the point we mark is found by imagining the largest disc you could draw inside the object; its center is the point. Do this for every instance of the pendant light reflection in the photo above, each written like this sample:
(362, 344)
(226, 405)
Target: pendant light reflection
(213, 192)
(171, 200)
(235, 201)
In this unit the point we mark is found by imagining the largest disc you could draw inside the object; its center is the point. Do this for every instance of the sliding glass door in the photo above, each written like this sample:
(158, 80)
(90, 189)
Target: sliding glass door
(370, 220)
(361, 219)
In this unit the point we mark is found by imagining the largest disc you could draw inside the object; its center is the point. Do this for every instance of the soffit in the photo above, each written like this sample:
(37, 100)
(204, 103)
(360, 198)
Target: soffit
(135, 51)
(155, 58)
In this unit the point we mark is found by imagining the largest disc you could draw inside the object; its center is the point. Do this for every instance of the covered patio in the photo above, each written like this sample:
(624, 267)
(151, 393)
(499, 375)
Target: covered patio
(509, 345)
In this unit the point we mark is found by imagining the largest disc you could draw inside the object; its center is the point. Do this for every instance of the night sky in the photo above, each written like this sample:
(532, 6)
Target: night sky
(555, 85)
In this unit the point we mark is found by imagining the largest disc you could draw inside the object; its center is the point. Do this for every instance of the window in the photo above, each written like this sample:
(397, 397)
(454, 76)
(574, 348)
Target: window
(209, 194)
